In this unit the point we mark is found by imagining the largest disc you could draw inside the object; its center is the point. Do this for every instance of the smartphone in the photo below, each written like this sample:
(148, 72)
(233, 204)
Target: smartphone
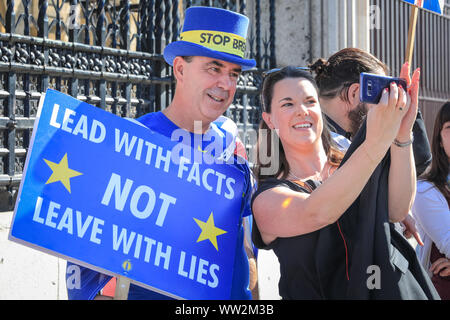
(371, 86)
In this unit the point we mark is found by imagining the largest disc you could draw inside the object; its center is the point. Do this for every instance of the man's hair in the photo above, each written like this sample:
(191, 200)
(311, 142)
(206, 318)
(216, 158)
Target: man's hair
(335, 75)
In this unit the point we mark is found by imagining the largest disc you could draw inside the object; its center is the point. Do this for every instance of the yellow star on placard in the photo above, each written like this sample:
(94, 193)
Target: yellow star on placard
(200, 149)
(61, 172)
(209, 231)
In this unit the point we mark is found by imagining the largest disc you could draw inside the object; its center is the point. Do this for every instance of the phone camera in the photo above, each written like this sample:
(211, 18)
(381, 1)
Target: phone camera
(369, 88)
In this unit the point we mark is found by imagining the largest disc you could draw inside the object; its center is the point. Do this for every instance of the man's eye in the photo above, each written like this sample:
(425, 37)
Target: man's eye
(214, 69)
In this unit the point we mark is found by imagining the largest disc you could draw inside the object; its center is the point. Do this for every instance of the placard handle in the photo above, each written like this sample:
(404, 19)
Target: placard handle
(411, 34)
(122, 288)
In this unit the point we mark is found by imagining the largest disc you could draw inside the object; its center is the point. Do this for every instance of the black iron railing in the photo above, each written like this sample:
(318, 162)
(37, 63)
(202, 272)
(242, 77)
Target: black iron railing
(107, 53)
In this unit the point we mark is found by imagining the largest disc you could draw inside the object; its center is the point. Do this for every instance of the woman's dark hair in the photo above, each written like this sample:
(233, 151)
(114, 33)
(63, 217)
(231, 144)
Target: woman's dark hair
(439, 168)
(282, 170)
(335, 75)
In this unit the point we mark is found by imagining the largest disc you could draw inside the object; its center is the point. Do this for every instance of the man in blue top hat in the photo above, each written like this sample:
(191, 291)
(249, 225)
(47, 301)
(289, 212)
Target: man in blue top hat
(207, 62)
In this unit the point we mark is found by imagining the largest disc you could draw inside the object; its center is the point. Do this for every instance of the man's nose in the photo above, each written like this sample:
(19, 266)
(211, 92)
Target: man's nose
(225, 82)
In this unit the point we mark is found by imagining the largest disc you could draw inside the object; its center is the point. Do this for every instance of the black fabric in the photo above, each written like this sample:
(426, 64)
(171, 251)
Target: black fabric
(298, 273)
(421, 145)
(343, 252)
(336, 128)
(370, 240)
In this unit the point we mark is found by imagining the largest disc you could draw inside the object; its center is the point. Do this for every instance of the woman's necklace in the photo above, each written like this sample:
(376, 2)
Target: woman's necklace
(297, 178)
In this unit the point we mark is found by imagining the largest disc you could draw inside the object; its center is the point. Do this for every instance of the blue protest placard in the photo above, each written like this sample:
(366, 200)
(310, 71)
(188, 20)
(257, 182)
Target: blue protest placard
(436, 6)
(105, 192)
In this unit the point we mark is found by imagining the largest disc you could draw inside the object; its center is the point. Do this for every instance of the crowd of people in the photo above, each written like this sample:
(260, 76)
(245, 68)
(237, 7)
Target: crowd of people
(348, 175)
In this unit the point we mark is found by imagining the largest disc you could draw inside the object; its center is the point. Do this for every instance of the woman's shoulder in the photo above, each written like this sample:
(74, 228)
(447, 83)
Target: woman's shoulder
(267, 184)
(271, 183)
(427, 192)
(424, 186)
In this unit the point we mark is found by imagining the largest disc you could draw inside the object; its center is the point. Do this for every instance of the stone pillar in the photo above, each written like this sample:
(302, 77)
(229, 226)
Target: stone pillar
(363, 19)
(293, 32)
(308, 29)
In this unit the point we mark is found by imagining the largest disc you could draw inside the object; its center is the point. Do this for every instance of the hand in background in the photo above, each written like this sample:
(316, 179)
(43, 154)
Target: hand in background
(385, 118)
(413, 95)
(410, 229)
(441, 266)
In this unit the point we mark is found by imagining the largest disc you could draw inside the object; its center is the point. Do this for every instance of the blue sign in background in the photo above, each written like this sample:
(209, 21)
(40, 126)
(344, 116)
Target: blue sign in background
(172, 231)
(432, 5)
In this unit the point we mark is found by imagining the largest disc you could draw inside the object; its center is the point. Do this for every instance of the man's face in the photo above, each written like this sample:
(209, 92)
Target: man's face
(209, 86)
(356, 117)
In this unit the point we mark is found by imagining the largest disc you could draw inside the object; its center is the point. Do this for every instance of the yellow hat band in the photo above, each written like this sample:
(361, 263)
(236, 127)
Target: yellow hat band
(216, 40)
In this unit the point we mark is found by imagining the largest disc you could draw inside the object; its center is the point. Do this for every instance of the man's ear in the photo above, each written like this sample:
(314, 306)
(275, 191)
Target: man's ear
(353, 95)
(268, 120)
(178, 68)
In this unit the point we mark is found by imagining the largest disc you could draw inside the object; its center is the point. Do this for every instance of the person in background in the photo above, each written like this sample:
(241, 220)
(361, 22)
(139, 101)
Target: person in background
(431, 208)
(338, 82)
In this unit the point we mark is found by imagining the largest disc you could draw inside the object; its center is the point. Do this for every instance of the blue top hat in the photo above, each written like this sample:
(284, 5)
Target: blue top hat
(212, 32)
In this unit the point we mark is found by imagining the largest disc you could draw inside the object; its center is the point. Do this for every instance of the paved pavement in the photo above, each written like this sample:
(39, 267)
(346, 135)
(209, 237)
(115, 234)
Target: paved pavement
(27, 274)
(268, 275)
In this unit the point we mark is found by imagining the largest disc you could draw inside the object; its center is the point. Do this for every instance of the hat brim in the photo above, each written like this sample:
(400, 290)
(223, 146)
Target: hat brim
(184, 48)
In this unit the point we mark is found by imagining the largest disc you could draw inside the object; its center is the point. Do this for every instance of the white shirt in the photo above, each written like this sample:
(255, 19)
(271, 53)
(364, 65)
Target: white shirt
(432, 215)
(342, 142)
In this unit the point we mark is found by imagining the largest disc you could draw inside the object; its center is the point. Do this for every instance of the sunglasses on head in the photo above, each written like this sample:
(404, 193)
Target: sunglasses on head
(275, 70)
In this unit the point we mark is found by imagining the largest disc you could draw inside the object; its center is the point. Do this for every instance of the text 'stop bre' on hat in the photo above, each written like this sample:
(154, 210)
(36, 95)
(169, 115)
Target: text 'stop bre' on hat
(212, 32)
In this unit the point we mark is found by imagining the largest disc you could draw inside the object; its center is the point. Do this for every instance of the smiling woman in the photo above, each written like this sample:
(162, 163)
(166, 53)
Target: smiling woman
(295, 103)
(307, 192)
(296, 92)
